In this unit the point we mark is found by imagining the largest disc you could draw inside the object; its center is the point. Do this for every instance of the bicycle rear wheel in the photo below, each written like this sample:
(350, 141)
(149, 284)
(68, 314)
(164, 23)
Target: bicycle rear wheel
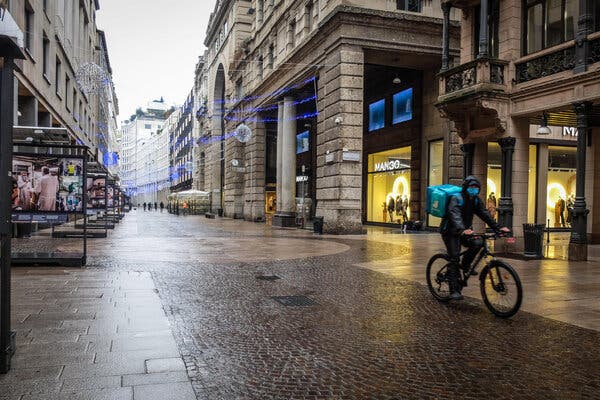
(437, 282)
(501, 289)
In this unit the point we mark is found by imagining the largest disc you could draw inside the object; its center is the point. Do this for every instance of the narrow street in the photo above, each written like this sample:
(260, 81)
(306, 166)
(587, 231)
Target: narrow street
(169, 300)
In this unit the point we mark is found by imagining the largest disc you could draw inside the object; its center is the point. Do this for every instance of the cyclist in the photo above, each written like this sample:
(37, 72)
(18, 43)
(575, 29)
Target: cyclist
(457, 227)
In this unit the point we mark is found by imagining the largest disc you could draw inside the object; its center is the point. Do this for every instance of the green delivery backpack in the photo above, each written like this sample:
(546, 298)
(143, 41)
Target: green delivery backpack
(438, 198)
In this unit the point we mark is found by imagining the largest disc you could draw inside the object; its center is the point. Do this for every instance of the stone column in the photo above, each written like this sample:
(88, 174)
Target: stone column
(446, 36)
(578, 242)
(339, 127)
(484, 40)
(505, 202)
(279, 149)
(286, 215)
(468, 150)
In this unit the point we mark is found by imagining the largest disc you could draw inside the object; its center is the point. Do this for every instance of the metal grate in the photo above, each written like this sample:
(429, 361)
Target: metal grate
(267, 277)
(294, 301)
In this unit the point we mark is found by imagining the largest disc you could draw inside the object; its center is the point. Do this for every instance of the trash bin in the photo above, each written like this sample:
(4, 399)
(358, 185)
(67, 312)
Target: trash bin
(318, 225)
(533, 238)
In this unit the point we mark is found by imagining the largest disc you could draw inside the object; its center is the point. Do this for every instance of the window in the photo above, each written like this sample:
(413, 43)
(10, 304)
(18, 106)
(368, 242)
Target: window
(309, 16)
(302, 142)
(493, 22)
(260, 67)
(239, 89)
(292, 34)
(435, 172)
(67, 86)
(402, 106)
(57, 75)
(376, 115)
(147, 126)
(549, 23)
(260, 8)
(45, 55)
(75, 104)
(409, 5)
(271, 58)
(29, 26)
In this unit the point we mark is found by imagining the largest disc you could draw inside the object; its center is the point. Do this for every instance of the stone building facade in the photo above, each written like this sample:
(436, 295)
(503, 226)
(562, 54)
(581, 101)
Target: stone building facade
(324, 108)
(524, 97)
(59, 38)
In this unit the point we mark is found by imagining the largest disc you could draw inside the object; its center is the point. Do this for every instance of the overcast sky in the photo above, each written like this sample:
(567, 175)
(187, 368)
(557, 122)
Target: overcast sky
(153, 47)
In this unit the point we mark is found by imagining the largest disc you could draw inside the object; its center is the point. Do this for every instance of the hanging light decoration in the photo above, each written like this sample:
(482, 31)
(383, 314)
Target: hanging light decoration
(243, 133)
(91, 78)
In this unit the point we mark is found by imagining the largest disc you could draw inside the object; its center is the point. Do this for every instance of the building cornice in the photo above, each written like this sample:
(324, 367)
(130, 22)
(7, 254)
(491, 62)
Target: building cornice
(221, 9)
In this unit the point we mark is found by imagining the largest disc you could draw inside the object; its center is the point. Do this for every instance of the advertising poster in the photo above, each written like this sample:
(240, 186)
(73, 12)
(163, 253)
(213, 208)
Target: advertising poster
(110, 196)
(46, 184)
(96, 193)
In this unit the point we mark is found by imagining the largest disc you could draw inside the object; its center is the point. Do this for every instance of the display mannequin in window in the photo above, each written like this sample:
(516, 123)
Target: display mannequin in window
(399, 208)
(391, 207)
(404, 209)
(492, 205)
(570, 205)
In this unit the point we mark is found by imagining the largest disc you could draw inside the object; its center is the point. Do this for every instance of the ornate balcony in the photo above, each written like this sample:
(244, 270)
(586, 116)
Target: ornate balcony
(475, 94)
(482, 75)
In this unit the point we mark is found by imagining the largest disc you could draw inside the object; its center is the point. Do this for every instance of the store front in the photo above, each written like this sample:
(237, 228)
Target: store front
(551, 178)
(388, 186)
(392, 145)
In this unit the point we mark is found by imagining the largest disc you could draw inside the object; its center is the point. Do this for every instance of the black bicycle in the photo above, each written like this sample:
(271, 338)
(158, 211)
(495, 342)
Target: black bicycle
(500, 285)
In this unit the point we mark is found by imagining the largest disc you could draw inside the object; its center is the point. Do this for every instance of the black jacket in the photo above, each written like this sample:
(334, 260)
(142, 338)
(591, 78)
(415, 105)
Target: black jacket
(460, 217)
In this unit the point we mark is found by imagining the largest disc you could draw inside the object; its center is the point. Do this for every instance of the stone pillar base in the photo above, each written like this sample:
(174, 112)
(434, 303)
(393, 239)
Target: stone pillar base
(284, 220)
(578, 252)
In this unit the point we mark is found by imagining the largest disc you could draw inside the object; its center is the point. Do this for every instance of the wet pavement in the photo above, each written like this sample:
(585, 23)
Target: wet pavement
(170, 304)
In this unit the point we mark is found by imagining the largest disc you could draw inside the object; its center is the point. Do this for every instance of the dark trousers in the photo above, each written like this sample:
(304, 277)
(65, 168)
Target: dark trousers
(453, 246)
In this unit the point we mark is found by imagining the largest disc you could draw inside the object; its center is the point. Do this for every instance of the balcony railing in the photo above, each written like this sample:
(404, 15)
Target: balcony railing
(545, 65)
(485, 73)
(594, 56)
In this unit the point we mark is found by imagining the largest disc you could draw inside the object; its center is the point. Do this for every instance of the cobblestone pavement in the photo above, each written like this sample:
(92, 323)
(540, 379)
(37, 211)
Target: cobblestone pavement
(366, 335)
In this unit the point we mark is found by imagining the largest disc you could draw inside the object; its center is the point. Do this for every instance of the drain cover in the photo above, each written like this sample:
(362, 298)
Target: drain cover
(268, 277)
(294, 301)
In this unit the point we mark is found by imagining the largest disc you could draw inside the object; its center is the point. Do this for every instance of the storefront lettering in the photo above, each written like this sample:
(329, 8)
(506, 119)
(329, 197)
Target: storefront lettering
(301, 178)
(569, 131)
(390, 165)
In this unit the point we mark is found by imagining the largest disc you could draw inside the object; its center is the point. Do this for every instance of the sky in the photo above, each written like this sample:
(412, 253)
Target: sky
(153, 46)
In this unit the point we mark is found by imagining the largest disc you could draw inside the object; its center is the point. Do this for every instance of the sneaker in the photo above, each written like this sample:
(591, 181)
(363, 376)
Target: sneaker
(456, 295)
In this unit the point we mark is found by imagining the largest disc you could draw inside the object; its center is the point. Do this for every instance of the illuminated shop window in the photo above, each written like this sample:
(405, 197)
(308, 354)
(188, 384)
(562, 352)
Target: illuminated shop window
(376, 115)
(402, 110)
(494, 179)
(388, 186)
(562, 164)
(435, 172)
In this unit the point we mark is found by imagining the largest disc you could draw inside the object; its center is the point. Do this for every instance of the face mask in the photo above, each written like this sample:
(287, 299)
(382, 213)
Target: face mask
(473, 191)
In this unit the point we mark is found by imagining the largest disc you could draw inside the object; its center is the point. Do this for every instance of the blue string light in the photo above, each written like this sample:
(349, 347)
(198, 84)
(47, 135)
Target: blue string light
(276, 93)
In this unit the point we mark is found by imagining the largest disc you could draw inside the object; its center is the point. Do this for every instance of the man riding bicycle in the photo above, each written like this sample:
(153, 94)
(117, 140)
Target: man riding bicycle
(457, 227)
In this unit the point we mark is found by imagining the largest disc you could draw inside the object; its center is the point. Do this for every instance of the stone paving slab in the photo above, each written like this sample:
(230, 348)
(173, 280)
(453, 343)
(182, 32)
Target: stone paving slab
(372, 332)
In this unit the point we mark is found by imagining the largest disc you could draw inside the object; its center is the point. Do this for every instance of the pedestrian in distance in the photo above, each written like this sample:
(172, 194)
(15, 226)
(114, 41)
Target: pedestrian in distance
(162, 206)
(155, 206)
(144, 206)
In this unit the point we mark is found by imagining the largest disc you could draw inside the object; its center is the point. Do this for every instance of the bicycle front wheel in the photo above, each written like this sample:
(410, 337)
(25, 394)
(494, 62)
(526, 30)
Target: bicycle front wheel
(437, 282)
(501, 289)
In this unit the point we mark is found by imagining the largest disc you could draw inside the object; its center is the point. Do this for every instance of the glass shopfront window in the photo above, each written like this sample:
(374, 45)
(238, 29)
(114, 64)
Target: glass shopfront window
(388, 186)
(494, 179)
(436, 173)
(562, 164)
